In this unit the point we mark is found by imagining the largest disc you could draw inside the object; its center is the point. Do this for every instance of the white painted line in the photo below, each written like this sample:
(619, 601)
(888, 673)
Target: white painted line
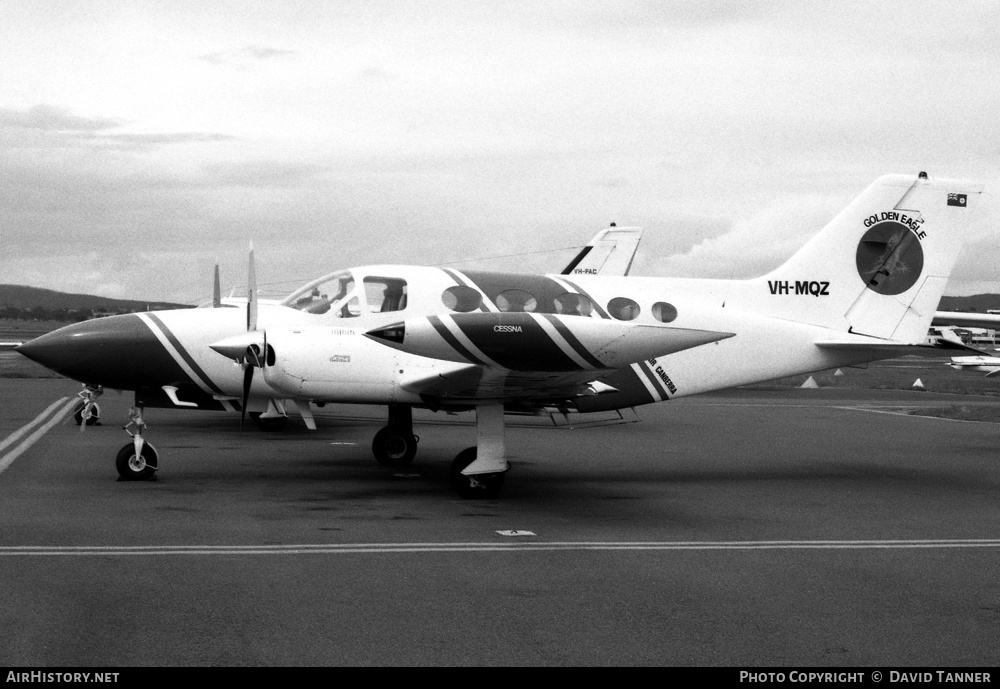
(31, 424)
(347, 548)
(516, 532)
(9, 458)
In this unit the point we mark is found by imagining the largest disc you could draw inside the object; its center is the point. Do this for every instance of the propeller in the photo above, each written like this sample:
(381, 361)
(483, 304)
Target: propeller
(252, 359)
(249, 349)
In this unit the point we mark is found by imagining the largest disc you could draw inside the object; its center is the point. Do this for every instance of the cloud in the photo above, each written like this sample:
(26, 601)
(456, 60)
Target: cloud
(244, 58)
(49, 126)
(754, 246)
(53, 119)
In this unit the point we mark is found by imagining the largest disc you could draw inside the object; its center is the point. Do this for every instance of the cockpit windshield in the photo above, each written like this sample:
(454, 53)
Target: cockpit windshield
(341, 296)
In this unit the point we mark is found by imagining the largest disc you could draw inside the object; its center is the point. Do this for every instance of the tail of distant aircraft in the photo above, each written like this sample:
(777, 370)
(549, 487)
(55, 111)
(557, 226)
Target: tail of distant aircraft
(610, 252)
(880, 267)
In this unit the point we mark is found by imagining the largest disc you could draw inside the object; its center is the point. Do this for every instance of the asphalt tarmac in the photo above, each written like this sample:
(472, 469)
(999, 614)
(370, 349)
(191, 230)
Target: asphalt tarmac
(793, 528)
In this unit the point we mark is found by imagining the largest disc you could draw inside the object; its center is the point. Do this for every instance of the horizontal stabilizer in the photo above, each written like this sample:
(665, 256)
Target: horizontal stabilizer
(887, 349)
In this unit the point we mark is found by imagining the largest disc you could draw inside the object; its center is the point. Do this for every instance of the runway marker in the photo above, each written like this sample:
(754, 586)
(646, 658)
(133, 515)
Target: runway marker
(361, 548)
(9, 458)
(28, 426)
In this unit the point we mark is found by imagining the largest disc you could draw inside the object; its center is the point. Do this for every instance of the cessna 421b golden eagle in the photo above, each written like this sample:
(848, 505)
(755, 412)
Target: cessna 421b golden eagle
(864, 288)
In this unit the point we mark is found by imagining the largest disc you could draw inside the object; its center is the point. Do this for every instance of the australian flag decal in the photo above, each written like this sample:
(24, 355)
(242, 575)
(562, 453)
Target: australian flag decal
(956, 199)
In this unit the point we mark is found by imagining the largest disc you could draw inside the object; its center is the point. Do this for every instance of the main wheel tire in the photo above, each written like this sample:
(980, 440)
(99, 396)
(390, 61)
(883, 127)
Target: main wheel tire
(269, 423)
(93, 420)
(132, 468)
(394, 449)
(478, 486)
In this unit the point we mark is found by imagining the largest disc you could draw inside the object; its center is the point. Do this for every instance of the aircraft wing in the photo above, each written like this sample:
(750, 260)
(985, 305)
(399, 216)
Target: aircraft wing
(473, 384)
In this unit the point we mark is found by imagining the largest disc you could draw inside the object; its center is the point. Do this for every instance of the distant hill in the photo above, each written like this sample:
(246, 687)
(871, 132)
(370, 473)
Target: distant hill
(20, 302)
(976, 303)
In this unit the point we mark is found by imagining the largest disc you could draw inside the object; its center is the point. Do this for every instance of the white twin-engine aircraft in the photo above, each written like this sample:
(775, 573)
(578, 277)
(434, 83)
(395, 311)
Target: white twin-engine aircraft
(865, 288)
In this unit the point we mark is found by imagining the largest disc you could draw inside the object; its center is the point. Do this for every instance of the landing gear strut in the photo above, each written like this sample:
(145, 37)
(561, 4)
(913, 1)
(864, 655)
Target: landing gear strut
(479, 472)
(87, 412)
(395, 446)
(137, 460)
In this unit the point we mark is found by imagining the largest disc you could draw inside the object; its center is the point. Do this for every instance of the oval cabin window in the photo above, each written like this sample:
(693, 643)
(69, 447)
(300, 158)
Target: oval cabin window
(623, 308)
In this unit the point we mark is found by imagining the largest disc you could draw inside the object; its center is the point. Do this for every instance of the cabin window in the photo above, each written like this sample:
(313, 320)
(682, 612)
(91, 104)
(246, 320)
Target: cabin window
(623, 308)
(664, 312)
(385, 294)
(569, 304)
(462, 299)
(514, 300)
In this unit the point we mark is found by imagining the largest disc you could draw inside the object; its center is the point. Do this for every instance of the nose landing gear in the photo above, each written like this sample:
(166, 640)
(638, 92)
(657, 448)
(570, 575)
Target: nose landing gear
(137, 460)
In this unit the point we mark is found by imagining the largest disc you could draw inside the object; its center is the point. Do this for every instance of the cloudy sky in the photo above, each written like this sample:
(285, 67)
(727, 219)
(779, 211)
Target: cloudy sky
(141, 142)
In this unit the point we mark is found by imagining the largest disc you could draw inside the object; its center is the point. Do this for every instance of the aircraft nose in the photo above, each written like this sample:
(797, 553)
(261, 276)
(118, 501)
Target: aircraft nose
(113, 351)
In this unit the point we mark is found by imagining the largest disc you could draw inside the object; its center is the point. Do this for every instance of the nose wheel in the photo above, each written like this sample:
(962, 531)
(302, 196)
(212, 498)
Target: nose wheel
(137, 460)
(133, 466)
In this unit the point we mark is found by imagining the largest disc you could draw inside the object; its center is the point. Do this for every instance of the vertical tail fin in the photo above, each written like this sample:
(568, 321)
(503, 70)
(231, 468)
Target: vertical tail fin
(880, 267)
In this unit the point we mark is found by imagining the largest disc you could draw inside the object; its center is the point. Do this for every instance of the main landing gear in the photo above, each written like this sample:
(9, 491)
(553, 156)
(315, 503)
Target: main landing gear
(395, 446)
(477, 472)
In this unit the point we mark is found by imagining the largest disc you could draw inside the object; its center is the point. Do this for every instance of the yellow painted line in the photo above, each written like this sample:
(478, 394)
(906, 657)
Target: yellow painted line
(8, 459)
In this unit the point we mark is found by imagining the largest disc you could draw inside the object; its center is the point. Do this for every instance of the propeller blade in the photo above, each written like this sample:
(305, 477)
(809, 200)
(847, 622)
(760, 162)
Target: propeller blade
(216, 290)
(251, 293)
(247, 380)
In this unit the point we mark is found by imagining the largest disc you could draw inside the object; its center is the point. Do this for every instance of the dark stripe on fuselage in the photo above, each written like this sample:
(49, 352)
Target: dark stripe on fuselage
(597, 307)
(443, 331)
(188, 359)
(543, 289)
(657, 383)
(461, 280)
(573, 342)
(515, 341)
